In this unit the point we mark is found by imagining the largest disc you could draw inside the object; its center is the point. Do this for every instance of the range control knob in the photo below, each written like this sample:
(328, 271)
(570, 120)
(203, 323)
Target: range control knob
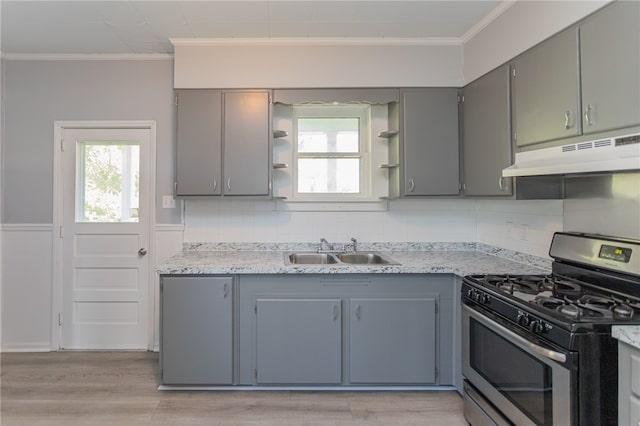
(523, 319)
(480, 297)
(536, 327)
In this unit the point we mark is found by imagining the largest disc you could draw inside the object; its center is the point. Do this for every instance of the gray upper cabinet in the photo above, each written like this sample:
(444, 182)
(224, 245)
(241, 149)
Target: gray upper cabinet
(299, 341)
(199, 142)
(196, 330)
(246, 143)
(429, 142)
(223, 143)
(486, 134)
(610, 59)
(392, 340)
(545, 91)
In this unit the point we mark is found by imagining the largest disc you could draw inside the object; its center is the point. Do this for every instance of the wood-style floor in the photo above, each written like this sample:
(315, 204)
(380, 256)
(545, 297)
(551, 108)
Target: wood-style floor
(119, 389)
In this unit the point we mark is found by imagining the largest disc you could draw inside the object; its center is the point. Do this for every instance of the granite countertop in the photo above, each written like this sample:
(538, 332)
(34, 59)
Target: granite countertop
(629, 334)
(413, 258)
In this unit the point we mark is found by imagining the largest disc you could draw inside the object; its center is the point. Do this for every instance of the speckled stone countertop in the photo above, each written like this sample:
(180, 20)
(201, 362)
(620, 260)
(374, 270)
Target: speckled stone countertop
(630, 334)
(413, 258)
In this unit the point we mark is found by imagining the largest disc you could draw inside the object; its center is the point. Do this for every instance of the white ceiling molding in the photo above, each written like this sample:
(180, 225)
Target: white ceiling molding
(487, 20)
(319, 41)
(88, 57)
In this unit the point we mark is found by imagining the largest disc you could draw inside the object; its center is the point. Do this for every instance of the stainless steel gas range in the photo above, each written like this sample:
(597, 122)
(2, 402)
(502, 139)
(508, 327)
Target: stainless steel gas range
(537, 350)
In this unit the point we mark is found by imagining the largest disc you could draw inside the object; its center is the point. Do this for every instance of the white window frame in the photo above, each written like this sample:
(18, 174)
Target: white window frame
(363, 113)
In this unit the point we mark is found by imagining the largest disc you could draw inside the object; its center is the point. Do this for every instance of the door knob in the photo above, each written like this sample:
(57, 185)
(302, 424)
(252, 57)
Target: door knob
(142, 251)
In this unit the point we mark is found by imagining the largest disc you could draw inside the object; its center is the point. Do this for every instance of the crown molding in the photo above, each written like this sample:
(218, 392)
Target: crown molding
(88, 57)
(319, 41)
(495, 13)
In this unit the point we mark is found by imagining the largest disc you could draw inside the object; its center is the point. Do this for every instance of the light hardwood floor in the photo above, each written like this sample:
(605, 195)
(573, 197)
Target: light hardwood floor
(119, 389)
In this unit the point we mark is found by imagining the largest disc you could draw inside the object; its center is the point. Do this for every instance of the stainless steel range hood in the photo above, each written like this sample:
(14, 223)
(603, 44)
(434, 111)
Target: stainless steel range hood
(598, 156)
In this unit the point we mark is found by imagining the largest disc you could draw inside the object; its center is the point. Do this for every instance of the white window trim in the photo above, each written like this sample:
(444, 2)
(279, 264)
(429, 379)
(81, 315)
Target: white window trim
(362, 112)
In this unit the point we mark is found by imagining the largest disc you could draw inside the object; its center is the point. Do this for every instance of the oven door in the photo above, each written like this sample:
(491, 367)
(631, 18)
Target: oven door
(529, 383)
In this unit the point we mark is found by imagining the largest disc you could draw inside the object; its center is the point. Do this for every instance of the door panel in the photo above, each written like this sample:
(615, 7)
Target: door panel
(197, 330)
(299, 341)
(246, 143)
(105, 224)
(430, 142)
(199, 142)
(392, 340)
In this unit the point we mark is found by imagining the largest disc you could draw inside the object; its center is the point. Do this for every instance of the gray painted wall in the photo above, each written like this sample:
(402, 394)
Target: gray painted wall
(37, 93)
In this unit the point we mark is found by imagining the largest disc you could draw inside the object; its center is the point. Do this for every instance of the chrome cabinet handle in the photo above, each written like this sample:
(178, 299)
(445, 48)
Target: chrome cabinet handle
(501, 184)
(229, 184)
(587, 115)
(334, 316)
(142, 251)
(567, 120)
(358, 312)
(412, 185)
(215, 184)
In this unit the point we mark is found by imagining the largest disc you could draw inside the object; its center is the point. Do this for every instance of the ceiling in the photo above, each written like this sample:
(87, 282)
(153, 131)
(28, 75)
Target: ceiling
(145, 27)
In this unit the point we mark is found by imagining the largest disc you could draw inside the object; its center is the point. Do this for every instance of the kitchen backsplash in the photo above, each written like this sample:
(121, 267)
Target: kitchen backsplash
(524, 226)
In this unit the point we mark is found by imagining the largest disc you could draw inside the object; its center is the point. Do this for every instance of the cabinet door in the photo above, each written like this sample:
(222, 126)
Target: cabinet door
(392, 340)
(610, 59)
(545, 91)
(628, 385)
(198, 146)
(299, 341)
(486, 134)
(246, 143)
(196, 330)
(430, 142)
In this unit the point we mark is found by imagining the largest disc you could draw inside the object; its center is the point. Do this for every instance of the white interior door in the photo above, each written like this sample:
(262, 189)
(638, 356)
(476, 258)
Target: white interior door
(105, 237)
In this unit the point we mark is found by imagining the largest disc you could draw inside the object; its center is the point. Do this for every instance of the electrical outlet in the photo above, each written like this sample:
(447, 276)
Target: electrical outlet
(168, 202)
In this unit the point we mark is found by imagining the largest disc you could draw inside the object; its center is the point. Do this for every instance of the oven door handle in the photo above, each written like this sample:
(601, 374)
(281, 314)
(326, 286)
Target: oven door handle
(547, 353)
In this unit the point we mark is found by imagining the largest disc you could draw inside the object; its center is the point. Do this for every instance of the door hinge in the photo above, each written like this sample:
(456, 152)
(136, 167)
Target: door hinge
(255, 373)
(62, 144)
(460, 98)
(436, 373)
(513, 72)
(176, 100)
(61, 231)
(436, 307)
(515, 137)
(255, 308)
(60, 318)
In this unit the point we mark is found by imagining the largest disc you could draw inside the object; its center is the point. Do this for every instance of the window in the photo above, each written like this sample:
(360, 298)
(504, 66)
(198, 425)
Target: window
(107, 188)
(331, 152)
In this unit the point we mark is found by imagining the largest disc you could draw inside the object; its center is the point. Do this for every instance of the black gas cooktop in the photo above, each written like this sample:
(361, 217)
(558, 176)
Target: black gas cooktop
(566, 300)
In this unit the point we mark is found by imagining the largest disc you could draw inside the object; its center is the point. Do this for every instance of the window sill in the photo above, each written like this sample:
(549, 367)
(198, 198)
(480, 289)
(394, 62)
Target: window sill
(332, 206)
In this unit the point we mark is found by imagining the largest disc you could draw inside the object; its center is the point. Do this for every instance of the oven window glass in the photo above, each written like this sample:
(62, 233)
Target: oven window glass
(521, 378)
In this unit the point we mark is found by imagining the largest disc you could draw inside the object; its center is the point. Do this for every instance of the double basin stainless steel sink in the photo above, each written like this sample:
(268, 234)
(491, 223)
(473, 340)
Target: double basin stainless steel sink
(356, 258)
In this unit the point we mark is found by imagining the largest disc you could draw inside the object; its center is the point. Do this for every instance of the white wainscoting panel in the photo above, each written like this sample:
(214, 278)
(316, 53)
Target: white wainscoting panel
(168, 242)
(27, 270)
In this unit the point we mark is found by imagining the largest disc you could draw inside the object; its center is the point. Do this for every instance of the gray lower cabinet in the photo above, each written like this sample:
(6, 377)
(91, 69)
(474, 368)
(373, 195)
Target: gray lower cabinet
(345, 329)
(486, 134)
(545, 91)
(429, 142)
(299, 341)
(392, 340)
(628, 385)
(196, 323)
(610, 67)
